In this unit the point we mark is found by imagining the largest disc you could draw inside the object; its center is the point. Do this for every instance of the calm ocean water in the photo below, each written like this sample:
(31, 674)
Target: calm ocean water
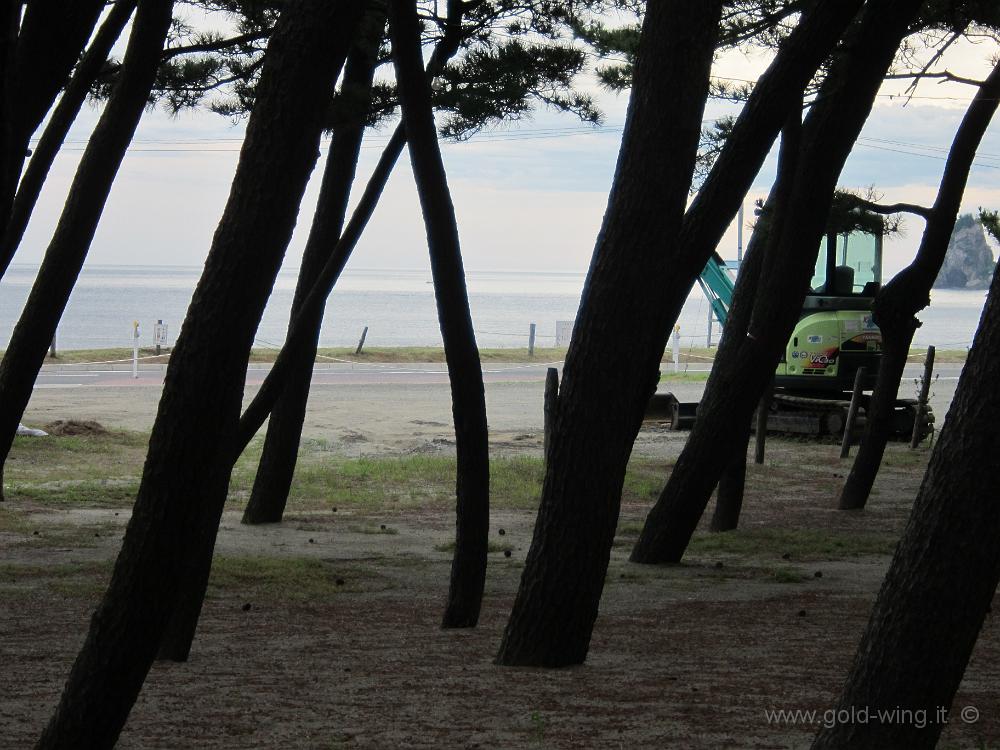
(397, 306)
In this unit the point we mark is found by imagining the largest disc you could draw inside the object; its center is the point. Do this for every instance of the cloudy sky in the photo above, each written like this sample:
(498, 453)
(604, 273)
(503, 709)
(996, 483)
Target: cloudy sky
(529, 196)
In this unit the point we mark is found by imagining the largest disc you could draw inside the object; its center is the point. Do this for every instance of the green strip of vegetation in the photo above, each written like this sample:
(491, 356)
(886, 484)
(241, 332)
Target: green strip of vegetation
(798, 544)
(373, 354)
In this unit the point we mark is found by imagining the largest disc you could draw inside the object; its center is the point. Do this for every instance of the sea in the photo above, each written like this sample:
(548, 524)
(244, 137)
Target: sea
(396, 306)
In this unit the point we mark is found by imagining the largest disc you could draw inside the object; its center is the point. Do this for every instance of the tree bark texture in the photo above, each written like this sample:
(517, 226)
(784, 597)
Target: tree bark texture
(10, 19)
(468, 397)
(729, 499)
(284, 428)
(897, 304)
(65, 112)
(620, 334)
(943, 575)
(732, 482)
(179, 633)
(741, 372)
(51, 39)
(776, 95)
(194, 432)
(258, 409)
(68, 247)
(46, 47)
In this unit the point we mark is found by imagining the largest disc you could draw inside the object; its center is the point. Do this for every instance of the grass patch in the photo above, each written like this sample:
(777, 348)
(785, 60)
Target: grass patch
(694, 355)
(941, 356)
(107, 493)
(695, 376)
(82, 356)
(799, 544)
(84, 579)
(14, 522)
(425, 481)
(289, 578)
(384, 483)
(107, 461)
(786, 574)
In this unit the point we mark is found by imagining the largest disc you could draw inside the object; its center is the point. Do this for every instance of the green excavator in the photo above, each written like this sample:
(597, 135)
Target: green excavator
(834, 337)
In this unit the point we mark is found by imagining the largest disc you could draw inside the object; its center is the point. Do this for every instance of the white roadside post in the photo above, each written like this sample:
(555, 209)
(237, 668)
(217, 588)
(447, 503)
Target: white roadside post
(677, 348)
(135, 348)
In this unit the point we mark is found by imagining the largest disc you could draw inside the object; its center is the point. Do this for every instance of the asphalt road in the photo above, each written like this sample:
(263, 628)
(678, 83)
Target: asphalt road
(72, 376)
(366, 409)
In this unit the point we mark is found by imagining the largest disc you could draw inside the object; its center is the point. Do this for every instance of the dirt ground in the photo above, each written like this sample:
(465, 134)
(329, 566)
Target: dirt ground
(349, 652)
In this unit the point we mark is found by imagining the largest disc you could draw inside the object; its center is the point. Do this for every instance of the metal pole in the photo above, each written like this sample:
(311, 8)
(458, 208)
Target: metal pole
(708, 338)
(739, 235)
(760, 428)
(531, 340)
(135, 348)
(159, 327)
(852, 413)
(361, 344)
(925, 388)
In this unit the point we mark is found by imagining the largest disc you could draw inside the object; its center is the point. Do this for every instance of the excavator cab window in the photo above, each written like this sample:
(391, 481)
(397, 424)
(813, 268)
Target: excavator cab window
(848, 265)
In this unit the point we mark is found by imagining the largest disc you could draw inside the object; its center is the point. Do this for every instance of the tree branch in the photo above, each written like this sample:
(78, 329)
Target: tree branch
(945, 75)
(221, 44)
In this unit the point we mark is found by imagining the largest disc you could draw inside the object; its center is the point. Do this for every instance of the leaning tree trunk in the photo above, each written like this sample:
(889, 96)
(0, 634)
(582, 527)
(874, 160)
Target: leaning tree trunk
(609, 376)
(10, 16)
(58, 126)
(602, 400)
(897, 304)
(69, 245)
(284, 428)
(729, 499)
(742, 372)
(943, 576)
(302, 328)
(49, 40)
(468, 397)
(175, 644)
(195, 429)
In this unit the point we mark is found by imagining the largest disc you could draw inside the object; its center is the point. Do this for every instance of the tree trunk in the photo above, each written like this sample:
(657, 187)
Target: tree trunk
(897, 304)
(943, 576)
(608, 377)
(69, 245)
(729, 499)
(58, 126)
(284, 429)
(179, 633)
(777, 93)
(732, 482)
(468, 397)
(48, 44)
(258, 409)
(742, 371)
(195, 429)
(10, 18)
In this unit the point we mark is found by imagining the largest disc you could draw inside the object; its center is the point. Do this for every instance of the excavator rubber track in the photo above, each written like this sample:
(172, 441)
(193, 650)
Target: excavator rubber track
(793, 414)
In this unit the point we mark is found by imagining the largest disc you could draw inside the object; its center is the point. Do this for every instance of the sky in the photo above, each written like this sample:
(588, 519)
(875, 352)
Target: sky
(529, 196)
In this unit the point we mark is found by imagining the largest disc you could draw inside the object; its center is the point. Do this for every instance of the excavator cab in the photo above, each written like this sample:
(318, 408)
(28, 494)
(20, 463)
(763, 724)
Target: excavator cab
(835, 334)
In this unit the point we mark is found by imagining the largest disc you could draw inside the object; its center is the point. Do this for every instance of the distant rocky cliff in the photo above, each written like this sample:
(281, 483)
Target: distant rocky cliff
(969, 263)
